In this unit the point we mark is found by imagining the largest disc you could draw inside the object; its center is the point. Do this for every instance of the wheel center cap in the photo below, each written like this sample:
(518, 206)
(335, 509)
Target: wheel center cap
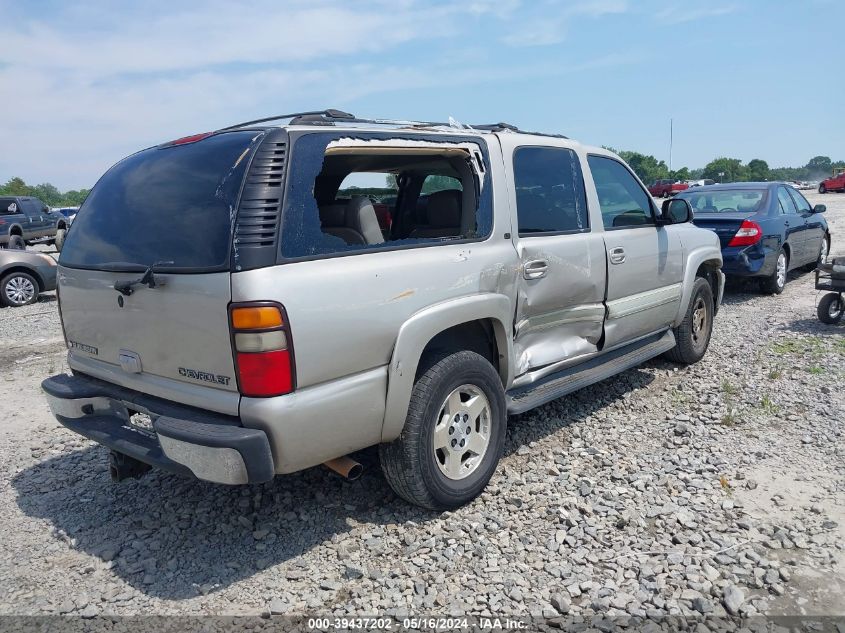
(459, 432)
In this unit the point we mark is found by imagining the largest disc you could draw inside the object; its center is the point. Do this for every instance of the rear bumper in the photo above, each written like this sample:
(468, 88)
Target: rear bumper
(748, 261)
(182, 440)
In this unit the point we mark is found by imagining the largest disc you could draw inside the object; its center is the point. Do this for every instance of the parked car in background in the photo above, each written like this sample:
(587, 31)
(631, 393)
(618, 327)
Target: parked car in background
(836, 183)
(25, 220)
(68, 212)
(701, 183)
(24, 275)
(300, 329)
(666, 187)
(765, 229)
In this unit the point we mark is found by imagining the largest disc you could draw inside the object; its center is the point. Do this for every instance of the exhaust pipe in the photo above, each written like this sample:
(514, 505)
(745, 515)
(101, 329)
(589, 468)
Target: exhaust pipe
(346, 467)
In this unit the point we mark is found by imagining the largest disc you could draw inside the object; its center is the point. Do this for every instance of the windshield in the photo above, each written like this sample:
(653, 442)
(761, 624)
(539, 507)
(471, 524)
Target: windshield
(164, 204)
(726, 200)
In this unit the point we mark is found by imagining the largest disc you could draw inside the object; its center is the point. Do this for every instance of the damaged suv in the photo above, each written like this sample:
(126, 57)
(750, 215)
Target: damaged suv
(357, 283)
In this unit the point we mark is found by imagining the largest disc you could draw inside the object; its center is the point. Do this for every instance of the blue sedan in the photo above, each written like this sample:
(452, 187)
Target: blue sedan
(766, 229)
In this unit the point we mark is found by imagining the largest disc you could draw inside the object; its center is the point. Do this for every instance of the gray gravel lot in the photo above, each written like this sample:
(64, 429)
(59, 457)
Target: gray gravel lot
(703, 490)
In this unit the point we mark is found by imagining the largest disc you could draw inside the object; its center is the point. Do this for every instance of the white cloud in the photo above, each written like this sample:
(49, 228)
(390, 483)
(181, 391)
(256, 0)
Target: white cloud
(551, 26)
(690, 13)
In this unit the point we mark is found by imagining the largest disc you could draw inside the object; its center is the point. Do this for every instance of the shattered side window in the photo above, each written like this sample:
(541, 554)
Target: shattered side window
(345, 195)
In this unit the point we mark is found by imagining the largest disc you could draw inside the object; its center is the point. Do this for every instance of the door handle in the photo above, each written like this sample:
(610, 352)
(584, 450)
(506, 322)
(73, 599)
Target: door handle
(617, 255)
(535, 269)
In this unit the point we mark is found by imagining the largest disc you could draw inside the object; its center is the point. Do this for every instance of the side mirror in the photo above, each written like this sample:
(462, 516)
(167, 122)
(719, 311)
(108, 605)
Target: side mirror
(13, 208)
(676, 211)
(819, 208)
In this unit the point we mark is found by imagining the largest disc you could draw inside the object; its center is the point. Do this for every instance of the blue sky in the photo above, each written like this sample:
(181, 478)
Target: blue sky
(88, 82)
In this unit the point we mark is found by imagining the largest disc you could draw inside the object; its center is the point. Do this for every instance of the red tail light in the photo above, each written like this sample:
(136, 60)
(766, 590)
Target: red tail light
(749, 233)
(263, 354)
(185, 140)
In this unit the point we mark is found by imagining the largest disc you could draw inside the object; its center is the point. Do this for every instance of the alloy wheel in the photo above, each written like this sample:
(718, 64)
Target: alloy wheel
(781, 270)
(462, 433)
(19, 290)
(700, 322)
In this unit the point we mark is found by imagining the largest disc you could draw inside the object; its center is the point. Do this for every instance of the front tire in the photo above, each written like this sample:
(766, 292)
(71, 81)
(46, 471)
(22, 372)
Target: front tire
(692, 336)
(776, 282)
(16, 243)
(60, 239)
(822, 189)
(831, 308)
(453, 436)
(18, 289)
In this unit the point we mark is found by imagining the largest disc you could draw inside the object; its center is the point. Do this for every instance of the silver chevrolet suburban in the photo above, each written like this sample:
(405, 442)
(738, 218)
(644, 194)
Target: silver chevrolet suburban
(266, 298)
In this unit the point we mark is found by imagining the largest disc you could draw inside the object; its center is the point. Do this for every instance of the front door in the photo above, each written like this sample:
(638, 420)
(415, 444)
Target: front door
(814, 228)
(645, 261)
(560, 309)
(36, 225)
(795, 232)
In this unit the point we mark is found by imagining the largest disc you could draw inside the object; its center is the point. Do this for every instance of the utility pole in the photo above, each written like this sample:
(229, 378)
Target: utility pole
(670, 144)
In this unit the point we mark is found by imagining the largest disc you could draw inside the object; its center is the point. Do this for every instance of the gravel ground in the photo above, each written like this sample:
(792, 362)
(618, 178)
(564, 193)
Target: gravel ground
(703, 490)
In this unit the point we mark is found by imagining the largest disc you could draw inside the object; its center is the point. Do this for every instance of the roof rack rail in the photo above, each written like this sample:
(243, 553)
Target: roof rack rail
(502, 127)
(496, 127)
(329, 113)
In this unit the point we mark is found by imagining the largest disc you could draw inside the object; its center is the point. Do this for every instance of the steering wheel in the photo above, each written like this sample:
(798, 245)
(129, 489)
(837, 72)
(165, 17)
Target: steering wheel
(727, 210)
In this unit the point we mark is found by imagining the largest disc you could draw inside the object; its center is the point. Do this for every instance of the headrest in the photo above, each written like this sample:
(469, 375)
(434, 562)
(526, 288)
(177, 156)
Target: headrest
(444, 208)
(333, 214)
(361, 216)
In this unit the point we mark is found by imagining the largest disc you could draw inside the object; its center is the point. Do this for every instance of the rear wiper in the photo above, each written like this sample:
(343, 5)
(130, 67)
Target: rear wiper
(147, 279)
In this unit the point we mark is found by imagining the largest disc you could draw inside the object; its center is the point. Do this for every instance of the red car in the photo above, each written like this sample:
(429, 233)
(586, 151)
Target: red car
(667, 187)
(837, 183)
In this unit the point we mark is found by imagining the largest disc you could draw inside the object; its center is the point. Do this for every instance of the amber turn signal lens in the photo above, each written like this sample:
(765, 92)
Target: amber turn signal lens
(256, 318)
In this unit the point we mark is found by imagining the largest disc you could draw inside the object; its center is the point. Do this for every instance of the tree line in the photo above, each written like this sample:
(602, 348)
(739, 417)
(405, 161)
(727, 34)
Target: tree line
(724, 169)
(45, 192)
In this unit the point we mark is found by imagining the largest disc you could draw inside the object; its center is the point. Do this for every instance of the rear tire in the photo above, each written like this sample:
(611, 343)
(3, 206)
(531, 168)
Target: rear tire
(18, 289)
(16, 243)
(831, 308)
(692, 336)
(776, 282)
(60, 239)
(453, 436)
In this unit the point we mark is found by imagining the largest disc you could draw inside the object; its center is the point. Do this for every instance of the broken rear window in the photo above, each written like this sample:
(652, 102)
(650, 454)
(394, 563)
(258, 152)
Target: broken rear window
(378, 191)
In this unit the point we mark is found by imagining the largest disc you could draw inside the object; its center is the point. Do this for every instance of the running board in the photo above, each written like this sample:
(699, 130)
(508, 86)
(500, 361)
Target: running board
(593, 371)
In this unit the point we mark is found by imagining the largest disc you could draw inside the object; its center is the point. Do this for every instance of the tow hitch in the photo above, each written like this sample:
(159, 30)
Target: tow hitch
(124, 467)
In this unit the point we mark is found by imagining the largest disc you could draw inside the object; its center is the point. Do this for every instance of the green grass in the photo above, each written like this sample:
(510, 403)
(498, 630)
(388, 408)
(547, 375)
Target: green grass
(775, 374)
(813, 346)
(729, 388)
(769, 407)
(815, 370)
(730, 419)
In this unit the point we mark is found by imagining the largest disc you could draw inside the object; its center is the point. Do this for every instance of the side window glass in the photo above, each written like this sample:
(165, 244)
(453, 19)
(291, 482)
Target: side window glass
(550, 195)
(786, 203)
(800, 201)
(8, 206)
(623, 202)
(30, 207)
(434, 183)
